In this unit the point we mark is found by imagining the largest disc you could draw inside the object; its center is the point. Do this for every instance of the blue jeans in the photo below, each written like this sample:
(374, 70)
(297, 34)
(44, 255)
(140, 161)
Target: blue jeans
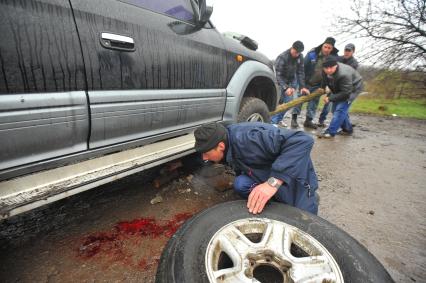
(284, 99)
(312, 106)
(279, 117)
(288, 193)
(340, 118)
(324, 112)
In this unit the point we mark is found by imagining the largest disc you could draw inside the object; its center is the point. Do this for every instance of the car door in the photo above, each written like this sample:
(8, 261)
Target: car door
(150, 70)
(43, 105)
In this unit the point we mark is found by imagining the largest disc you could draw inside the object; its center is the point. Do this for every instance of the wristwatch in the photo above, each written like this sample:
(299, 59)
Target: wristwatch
(273, 182)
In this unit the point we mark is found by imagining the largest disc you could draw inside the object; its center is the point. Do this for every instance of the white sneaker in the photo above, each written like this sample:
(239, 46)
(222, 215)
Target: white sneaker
(282, 124)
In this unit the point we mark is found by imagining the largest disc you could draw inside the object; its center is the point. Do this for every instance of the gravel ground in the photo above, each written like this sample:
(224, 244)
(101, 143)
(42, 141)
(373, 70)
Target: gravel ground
(372, 185)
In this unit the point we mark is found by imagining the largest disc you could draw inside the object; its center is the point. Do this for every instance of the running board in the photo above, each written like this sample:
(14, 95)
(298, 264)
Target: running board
(28, 192)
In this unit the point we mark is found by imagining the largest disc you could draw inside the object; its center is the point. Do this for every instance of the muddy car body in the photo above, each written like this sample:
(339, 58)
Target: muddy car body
(82, 80)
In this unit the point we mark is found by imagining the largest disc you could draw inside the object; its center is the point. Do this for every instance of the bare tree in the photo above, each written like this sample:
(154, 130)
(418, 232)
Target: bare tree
(395, 31)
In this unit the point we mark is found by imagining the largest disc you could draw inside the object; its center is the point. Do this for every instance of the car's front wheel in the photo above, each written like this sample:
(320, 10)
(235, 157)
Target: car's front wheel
(283, 244)
(253, 109)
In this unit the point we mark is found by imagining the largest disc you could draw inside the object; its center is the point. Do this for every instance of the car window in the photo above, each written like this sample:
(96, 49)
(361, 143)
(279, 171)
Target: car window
(179, 9)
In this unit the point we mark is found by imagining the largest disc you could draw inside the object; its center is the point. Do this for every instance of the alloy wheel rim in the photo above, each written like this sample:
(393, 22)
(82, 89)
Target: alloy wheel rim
(255, 117)
(266, 250)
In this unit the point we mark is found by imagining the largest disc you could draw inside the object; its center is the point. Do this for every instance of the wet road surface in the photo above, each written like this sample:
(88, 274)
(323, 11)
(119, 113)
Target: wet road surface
(371, 185)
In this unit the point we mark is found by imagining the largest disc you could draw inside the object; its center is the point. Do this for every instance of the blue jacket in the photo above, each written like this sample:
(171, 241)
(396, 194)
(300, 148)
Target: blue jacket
(311, 61)
(261, 151)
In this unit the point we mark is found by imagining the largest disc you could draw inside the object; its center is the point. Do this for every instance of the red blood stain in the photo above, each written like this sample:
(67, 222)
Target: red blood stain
(92, 244)
(174, 224)
(146, 265)
(150, 227)
(143, 263)
(143, 226)
(111, 243)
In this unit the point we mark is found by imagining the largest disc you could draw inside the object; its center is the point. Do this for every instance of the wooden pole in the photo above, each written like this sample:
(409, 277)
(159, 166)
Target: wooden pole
(297, 101)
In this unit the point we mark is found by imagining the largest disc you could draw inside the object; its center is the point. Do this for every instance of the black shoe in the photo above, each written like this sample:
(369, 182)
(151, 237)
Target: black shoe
(345, 133)
(294, 124)
(321, 125)
(309, 124)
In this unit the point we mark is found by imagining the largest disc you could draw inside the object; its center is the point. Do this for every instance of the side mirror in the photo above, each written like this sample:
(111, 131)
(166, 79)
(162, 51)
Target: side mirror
(244, 40)
(204, 13)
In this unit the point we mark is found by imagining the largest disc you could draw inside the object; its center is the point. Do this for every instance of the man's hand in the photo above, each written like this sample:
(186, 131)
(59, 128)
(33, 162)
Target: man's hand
(305, 91)
(289, 91)
(325, 99)
(259, 196)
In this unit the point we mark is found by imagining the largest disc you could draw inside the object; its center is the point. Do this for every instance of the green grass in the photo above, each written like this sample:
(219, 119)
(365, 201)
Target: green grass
(410, 108)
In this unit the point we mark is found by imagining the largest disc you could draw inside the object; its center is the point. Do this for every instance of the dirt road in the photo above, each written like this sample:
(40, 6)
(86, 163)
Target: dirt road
(372, 185)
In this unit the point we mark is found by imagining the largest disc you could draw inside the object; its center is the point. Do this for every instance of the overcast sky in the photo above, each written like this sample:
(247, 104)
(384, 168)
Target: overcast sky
(276, 24)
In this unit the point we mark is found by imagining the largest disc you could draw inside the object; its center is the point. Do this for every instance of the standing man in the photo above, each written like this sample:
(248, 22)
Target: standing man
(270, 162)
(348, 56)
(347, 59)
(313, 77)
(290, 73)
(345, 84)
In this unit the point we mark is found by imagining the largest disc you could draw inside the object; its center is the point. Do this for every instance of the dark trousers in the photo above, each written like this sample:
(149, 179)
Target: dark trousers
(324, 112)
(312, 106)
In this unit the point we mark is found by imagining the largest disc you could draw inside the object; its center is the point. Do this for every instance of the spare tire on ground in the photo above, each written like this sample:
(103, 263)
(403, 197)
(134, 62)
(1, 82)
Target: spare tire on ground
(226, 243)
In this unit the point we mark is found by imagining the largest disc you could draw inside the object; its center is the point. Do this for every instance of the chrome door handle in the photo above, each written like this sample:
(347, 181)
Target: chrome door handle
(117, 42)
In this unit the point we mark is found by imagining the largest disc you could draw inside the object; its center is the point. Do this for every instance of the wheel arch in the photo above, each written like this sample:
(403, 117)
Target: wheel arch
(251, 79)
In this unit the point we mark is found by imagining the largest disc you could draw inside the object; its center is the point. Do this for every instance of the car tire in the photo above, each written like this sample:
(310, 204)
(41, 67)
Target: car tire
(226, 243)
(253, 109)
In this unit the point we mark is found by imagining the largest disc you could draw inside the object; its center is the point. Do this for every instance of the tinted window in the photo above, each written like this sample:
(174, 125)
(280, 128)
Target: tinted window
(179, 9)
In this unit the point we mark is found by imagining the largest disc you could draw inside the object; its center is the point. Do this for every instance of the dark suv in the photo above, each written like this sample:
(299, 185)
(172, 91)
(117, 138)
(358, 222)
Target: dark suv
(86, 79)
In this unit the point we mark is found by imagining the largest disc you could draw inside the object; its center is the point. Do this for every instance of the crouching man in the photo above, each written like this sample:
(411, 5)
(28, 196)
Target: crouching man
(270, 162)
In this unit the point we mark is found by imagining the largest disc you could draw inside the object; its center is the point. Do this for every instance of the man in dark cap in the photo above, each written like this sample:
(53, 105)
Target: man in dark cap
(313, 77)
(348, 56)
(345, 84)
(290, 74)
(270, 162)
(347, 59)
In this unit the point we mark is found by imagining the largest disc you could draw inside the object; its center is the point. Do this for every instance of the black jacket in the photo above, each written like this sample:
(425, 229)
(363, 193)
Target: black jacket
(288, 68)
